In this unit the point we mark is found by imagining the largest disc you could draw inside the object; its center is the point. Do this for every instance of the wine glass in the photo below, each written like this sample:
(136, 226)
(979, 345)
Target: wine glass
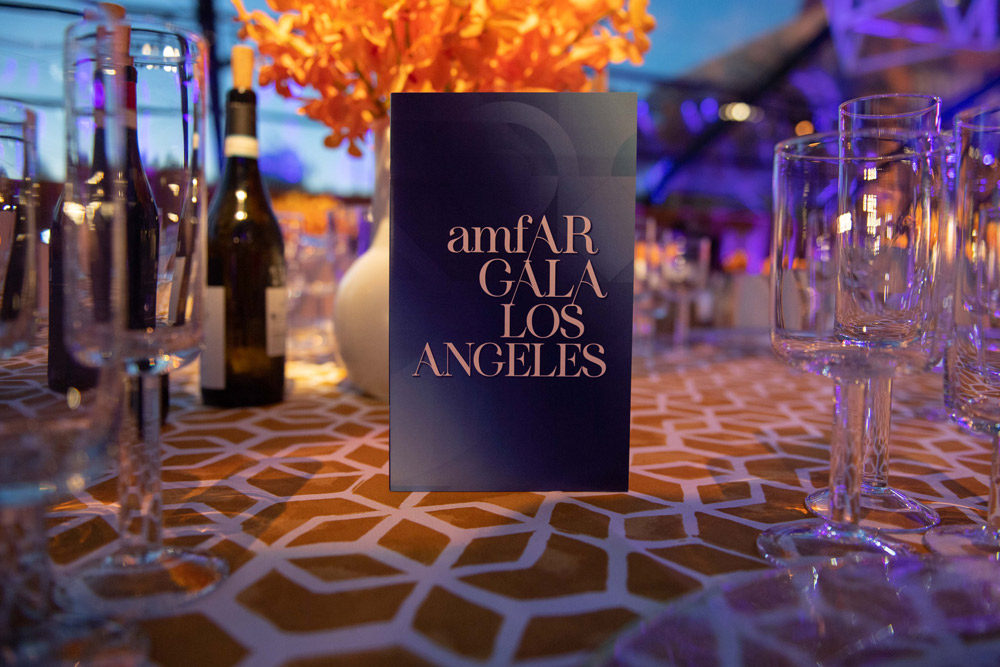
(49, 443)
(645, 310)
(886, 508)
(313, 251)
(137, 239)
(684, 274)
(972, 381)
(851, 269)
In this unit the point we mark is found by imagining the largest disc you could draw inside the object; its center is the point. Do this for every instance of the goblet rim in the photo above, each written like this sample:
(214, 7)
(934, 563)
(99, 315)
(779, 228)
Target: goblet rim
(152, 25)
(84, 30)
(931, 102)
(975, 118)
(794, 148)
(137, 21)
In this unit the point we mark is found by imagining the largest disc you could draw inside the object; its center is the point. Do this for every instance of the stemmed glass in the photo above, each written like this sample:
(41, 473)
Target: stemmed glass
(671, 271)
(49, 443)
(886, 508)
(645, 309)
(972, 379)
(138, 237)
(684, 274)
(851, 271)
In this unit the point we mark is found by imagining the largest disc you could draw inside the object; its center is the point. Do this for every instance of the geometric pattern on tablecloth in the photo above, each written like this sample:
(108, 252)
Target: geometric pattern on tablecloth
(329, 567)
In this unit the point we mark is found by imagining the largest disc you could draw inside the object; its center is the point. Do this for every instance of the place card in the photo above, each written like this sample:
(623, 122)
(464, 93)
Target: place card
(510, 306)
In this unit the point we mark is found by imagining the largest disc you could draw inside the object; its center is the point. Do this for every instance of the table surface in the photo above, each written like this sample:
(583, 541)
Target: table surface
(329, 567)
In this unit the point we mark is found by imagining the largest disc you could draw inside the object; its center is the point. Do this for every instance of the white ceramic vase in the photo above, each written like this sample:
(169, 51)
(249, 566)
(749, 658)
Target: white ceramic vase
(361, 310)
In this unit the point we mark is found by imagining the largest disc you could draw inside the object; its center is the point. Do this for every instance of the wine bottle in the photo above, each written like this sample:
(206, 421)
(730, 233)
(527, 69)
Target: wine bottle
(142, 227)
(142, 236)
(14, 225)
(243, 362)
(64, 371)
(142, 231)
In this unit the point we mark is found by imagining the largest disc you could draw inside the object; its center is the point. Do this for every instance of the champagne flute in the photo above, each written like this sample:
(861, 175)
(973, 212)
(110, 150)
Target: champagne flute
(851, 272)
(141, 244)
(886, 508)
(972, 381)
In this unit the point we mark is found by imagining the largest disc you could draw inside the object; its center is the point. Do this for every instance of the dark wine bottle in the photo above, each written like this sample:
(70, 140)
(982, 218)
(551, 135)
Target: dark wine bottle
(64, 371)
(142, 231)
(142, 238)
(14, 225)
(142, 227)
(243, 362)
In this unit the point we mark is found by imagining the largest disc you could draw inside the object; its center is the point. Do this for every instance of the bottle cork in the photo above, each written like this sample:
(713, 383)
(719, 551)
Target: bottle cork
(112, 11)
(123, 35)
(121, 32)
(242, 64)
(108, 11)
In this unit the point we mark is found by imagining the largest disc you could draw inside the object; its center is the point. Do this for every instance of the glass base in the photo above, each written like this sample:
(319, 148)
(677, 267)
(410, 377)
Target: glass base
(963, 541)
(819, 540)
(882, 509)
(145, 583)
(66, 640)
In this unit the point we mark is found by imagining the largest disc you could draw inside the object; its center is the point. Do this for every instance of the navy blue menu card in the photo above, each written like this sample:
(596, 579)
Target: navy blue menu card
(510, 307)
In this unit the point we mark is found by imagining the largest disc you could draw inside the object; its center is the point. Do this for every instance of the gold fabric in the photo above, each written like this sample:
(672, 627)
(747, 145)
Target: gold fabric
(330, 567)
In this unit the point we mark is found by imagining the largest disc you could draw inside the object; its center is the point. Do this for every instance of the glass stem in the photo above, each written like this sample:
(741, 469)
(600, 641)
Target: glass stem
(846, 450)
(140, 521)
(993, 511)
(26, 592)
(878, 422)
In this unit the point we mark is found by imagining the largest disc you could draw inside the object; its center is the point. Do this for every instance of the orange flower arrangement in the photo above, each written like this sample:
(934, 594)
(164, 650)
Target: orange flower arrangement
(354, 53)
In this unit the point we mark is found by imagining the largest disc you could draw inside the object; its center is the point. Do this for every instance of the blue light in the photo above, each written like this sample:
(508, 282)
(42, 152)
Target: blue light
(709, 108)
(645, 120)
(693, 119)
(655, 180)
(283, 165)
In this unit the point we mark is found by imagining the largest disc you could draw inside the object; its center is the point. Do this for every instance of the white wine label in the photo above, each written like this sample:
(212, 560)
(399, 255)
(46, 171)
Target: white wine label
(277, 320)
(213, 357)
(240, 145)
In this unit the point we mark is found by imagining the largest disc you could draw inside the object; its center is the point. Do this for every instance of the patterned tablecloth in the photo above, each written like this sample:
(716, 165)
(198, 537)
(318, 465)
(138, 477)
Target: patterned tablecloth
(329, 567)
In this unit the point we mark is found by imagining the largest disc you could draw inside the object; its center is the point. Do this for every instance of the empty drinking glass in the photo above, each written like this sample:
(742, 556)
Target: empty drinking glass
(133, 245)
(50, 444)
(852, 264)
(884, 507)
(972, 381)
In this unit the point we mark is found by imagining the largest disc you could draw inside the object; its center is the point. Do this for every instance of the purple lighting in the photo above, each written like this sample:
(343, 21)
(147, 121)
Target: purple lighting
(709, 109)
(692, 117)
(645, 121)
(935, 29)
(99, 94)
